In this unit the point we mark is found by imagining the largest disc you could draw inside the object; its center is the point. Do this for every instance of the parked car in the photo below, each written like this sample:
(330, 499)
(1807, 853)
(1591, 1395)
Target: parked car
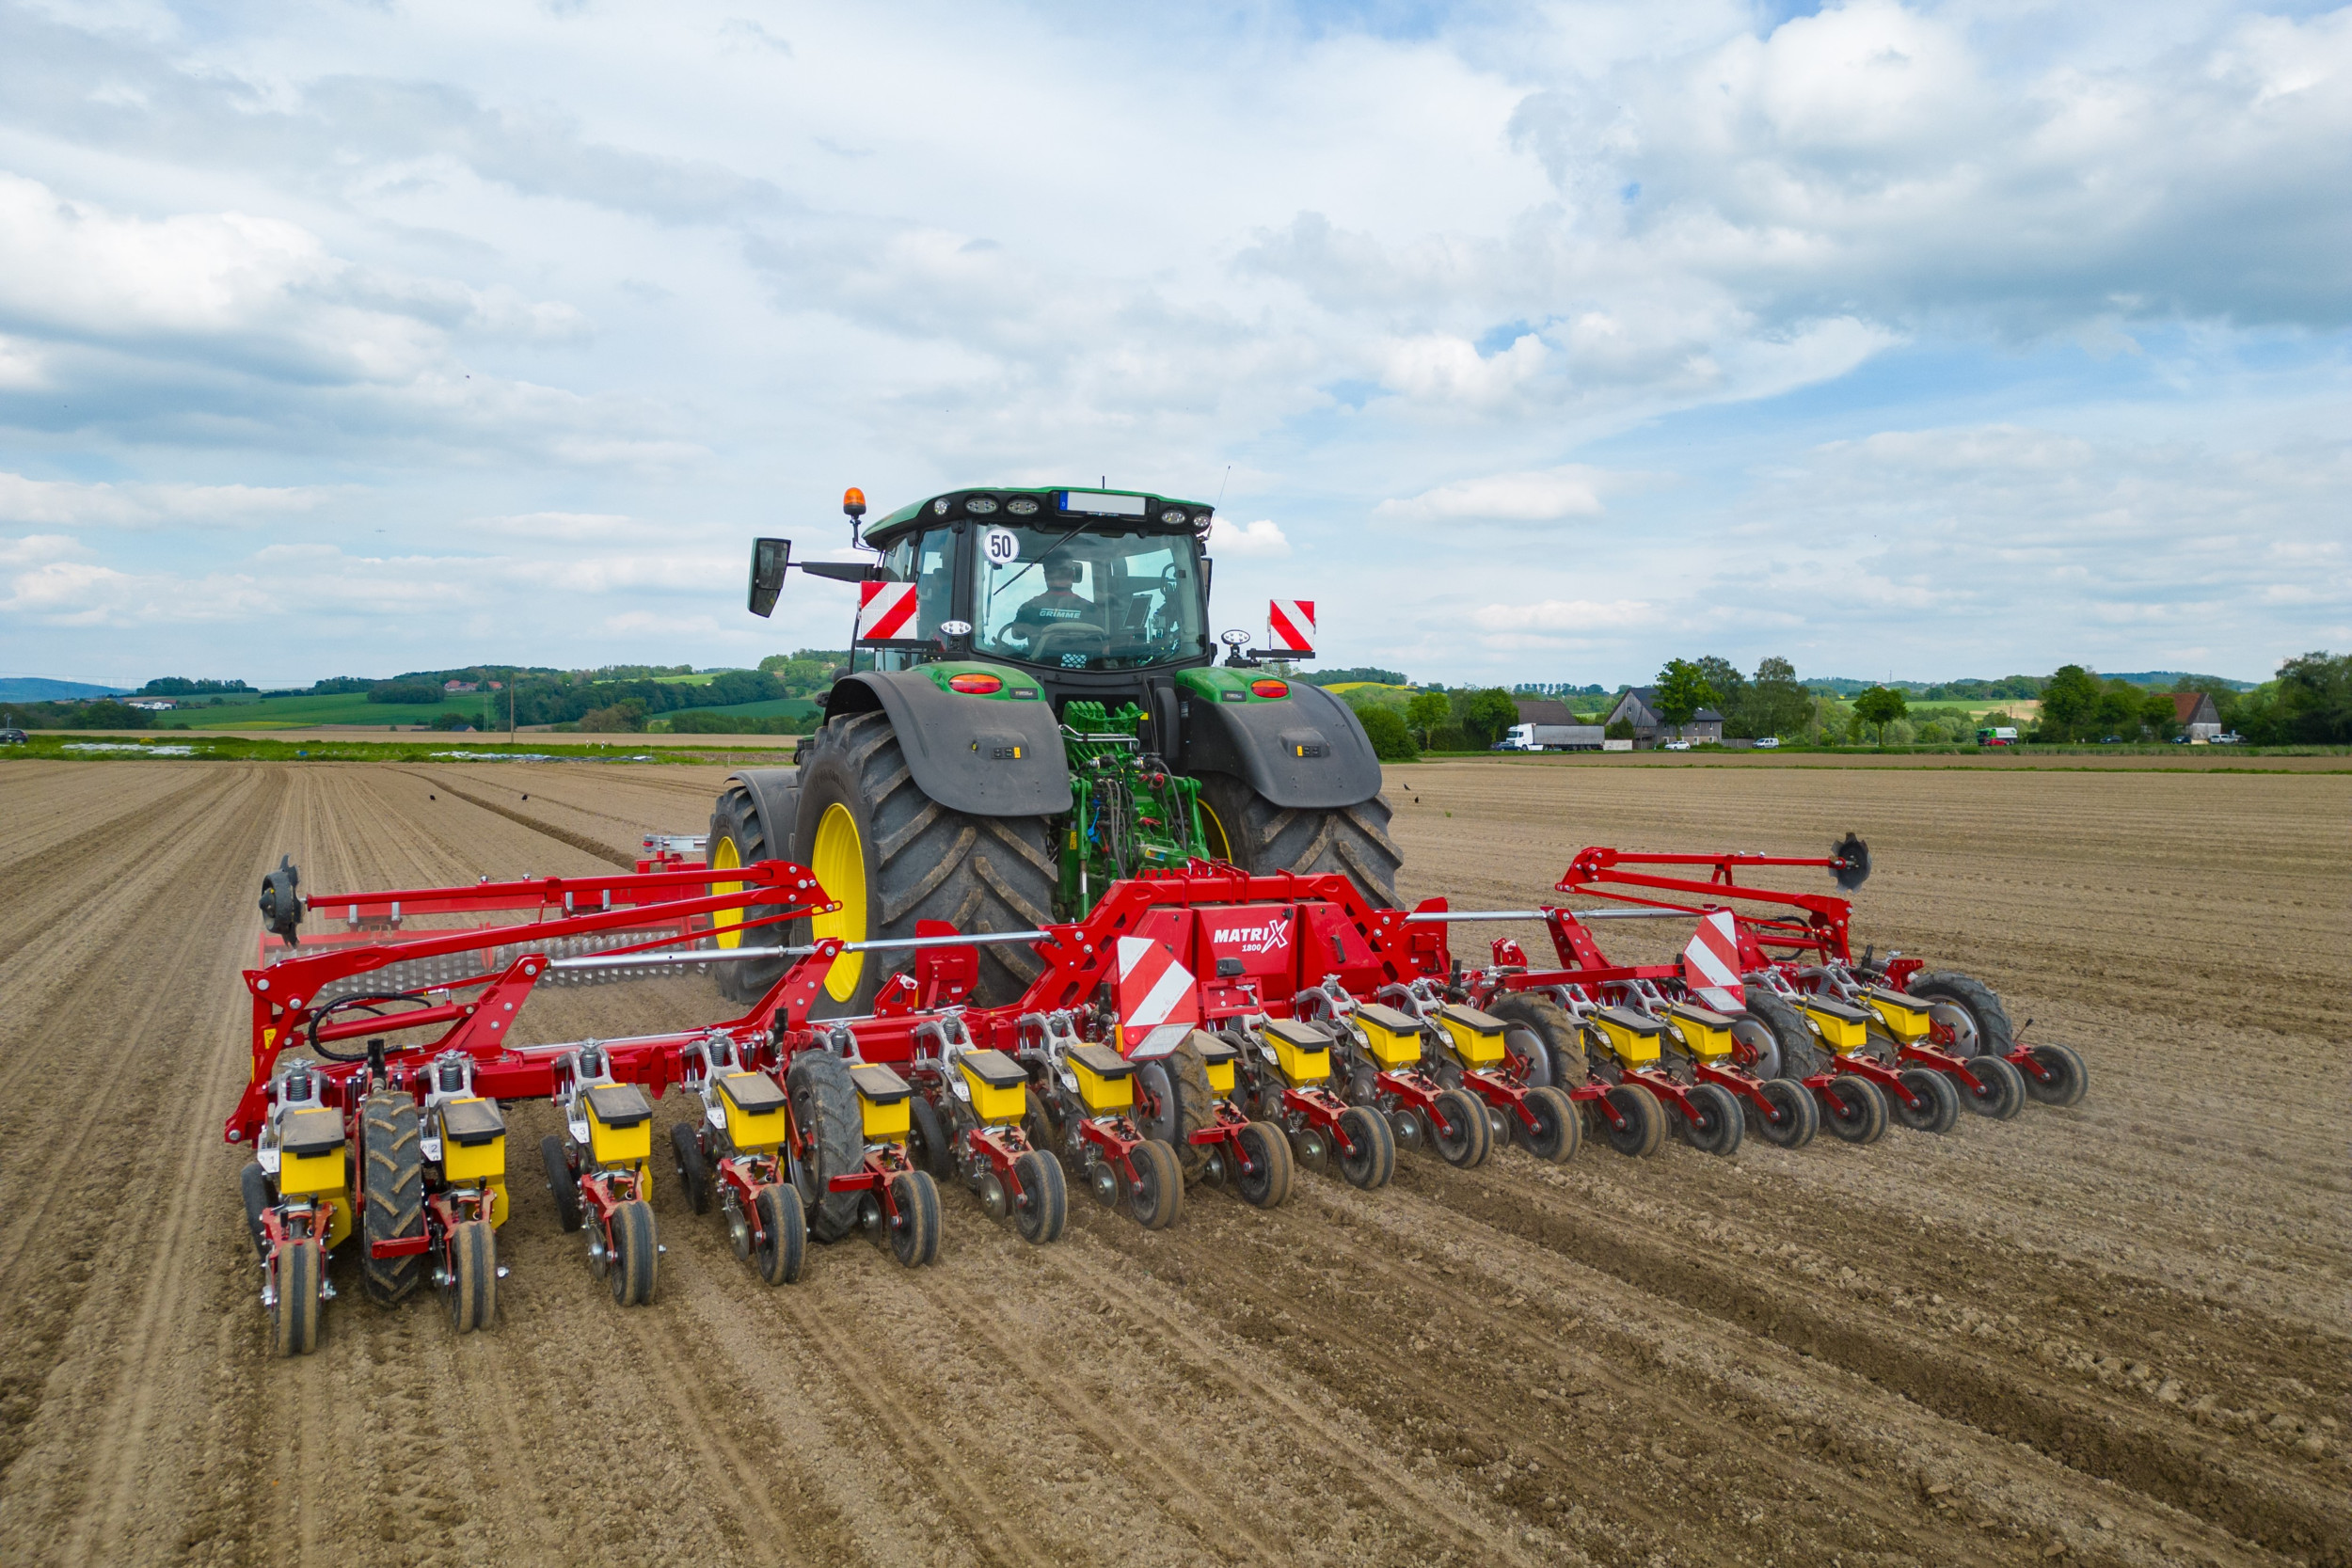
(12, 737)
(1677, 745)
(1769, 743)
(2233, 738)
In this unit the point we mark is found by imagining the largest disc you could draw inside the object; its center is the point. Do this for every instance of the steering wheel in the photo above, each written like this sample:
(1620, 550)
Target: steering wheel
(1057, 638)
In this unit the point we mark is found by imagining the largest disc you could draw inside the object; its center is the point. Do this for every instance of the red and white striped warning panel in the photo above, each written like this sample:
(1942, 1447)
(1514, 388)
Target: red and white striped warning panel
(1711, 964)
(1157, 1002)
(1291, 626)
(884, 611)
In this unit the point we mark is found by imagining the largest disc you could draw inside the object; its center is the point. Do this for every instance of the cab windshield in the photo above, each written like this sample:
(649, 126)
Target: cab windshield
(1093, 600)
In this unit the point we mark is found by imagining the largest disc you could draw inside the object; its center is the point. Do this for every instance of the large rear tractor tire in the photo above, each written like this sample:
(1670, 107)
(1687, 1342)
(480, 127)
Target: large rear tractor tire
(1538, 1020)
(824, 1108)
(391, 1145)
(892, 856)
(1251, 831)
(738, 837)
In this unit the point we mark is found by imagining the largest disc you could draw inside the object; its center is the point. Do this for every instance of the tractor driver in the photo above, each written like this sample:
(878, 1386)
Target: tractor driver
(1061, 604)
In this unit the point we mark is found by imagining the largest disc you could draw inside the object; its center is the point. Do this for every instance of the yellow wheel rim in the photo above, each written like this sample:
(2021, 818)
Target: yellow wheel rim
(1219, 847)
(838, 858)
(724, 858)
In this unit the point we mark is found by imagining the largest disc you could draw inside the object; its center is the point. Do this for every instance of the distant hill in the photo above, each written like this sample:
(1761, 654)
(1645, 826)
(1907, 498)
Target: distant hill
(36, 688)
(2167, 677)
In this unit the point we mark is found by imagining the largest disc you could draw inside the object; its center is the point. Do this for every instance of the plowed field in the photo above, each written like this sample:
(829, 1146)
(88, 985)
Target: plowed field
(2120, 1333)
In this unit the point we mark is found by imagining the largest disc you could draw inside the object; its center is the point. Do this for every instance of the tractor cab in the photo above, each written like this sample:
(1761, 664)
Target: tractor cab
(1088, 588)
(1069, 582)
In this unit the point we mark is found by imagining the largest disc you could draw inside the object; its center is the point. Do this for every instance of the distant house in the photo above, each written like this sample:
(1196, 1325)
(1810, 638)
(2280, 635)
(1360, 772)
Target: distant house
(1638, 706)
(460, 686)
(2199, 720)
(1544, 710)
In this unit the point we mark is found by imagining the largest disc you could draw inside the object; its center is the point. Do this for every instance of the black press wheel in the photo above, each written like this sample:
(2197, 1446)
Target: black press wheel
(1934, 1105)
(561, 1182)
(783, 1233)
(635, 1254)
(1264, 1180)
(1368, 1157)
(1540, 1041)
(891, 857)
(391, 1150)
(469, 1294)
(692, 1174)
(293, 1317)
(1789, 1117)
(914, 1233)
(1853, 1109)
(1158, 1196)
(1643, 1127)
(1558, 1131)
(1994, 1090)
(2066, 1077)
(1467, 1138)
(824, 1109)
(1713, 1123)
(253, 1185)
(1042, 1206)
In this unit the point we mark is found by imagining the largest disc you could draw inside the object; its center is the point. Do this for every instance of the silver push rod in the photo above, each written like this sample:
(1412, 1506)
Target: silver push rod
(736, 955)
(1449, 916)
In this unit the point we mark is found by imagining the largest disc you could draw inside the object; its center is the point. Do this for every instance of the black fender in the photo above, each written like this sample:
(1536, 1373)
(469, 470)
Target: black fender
(980, 755)
(775, 794)
(1260, 743)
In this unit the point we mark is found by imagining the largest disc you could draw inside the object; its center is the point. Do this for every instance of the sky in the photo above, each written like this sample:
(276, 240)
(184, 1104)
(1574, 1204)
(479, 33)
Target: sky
(1531, 342)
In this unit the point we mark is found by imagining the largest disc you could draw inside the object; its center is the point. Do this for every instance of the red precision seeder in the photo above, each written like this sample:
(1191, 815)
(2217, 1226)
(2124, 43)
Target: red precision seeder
(1761, 1001)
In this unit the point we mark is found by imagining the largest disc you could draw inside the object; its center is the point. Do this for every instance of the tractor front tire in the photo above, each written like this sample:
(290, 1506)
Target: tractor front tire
(1252, 833)
(891, 856)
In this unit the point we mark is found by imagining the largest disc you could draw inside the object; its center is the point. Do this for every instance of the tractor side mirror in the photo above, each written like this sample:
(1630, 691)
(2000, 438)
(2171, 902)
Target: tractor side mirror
(769, 557)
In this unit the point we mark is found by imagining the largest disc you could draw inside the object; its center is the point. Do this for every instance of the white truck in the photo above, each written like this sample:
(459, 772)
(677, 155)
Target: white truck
(1551, 737)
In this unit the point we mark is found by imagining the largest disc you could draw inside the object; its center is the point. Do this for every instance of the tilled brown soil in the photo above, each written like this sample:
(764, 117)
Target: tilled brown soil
(2112, 1333)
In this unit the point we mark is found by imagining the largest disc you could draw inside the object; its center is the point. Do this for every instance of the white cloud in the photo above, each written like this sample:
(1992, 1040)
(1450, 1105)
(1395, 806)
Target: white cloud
(1260, 540)
(540, 355)
(67, 504)
(1543, 495)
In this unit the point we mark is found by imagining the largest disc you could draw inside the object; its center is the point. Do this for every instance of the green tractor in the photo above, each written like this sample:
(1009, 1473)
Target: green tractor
(1034, 709)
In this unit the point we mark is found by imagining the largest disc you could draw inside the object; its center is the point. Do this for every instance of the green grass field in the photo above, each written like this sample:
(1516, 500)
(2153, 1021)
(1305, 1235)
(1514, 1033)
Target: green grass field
(301, 713)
